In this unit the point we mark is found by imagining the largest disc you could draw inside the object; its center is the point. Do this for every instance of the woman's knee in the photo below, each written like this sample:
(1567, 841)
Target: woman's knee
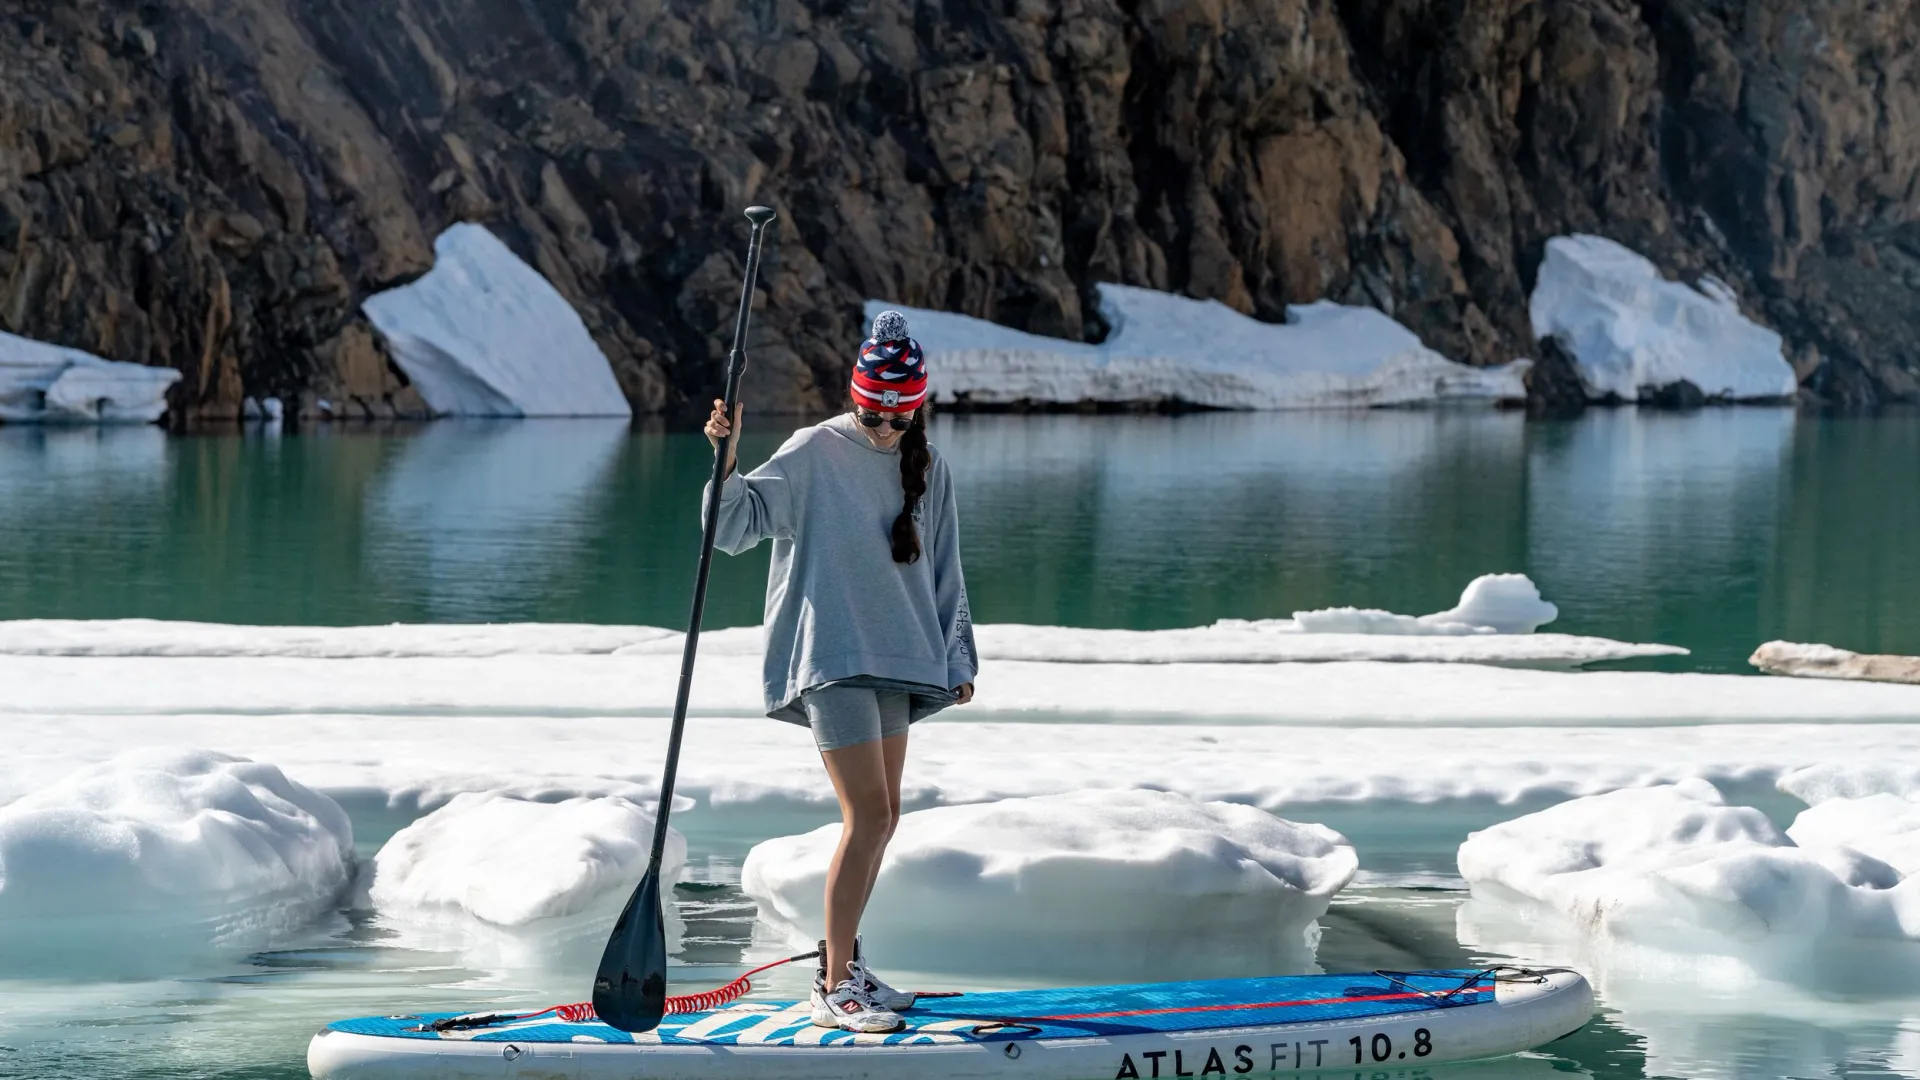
(869, 823)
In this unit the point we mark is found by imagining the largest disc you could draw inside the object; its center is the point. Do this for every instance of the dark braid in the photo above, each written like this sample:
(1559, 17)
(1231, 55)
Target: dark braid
(915, 460)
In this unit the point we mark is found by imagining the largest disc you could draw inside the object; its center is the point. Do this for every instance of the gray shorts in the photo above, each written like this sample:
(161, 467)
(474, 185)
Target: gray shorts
(843, 716)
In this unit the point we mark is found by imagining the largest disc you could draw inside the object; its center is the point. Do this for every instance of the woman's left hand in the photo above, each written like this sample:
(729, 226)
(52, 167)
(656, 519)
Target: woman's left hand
(965, 690)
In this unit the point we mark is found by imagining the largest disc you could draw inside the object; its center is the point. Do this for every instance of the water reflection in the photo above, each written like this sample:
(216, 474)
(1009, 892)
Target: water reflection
(473, 517)
(1715, 530)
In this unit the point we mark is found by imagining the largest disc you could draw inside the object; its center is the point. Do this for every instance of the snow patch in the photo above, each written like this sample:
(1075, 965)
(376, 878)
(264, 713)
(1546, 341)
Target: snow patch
(1631, 332)
(42, 383)
(1675, 868)
(165, 851)
(483, 334)
(1827, 662)
(1145, 880)
(1165, 348)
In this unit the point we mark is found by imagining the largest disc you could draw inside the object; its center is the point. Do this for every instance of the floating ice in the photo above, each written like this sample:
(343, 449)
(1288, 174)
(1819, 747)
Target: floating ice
(1675, 868)
(1146, 880)
(483, 334)
(158, 852)
(151, 637)
(1883, 826)
(1491, 604)
(1165, 348)
(1827, 662)
(1631, 332)
(510, 861)
(49, 383)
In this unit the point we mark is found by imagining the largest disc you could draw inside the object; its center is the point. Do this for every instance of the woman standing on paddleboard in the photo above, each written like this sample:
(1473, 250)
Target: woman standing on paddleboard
(867, 622)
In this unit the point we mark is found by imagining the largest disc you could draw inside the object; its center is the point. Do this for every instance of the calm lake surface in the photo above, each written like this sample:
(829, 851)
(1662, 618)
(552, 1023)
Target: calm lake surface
(1717, 530)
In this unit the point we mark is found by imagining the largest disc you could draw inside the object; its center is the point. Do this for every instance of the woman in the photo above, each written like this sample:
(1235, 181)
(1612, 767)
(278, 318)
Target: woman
(867, 622)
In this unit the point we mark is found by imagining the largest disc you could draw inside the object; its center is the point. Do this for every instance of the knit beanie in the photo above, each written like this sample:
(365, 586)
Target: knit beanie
(891, 373)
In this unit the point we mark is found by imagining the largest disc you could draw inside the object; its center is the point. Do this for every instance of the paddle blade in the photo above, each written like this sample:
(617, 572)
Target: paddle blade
(630, 989)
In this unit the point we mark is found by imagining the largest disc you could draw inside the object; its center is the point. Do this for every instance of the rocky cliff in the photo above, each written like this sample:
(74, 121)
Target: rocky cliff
(215, 184)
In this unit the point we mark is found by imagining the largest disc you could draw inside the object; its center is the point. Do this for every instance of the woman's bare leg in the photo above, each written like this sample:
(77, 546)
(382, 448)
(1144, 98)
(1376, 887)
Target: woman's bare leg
(868, 805)
(894, 751)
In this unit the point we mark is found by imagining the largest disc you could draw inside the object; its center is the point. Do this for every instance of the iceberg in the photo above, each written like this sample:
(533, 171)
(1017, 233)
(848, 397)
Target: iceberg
(1827, 662)
(1491, 604)
(1631, 332)
(1163, 348)
(483, 334)
(1129, 882)
(159, 853)
(42, 383)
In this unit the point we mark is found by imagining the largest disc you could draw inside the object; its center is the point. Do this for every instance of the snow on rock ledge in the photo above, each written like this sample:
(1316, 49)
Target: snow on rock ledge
(161, 851)
(1827, 662)
(1632, 332)
(1675, 868)
(483, 334)
(1165, 348)
(510, 861)
(1116, 883)
(48, 383)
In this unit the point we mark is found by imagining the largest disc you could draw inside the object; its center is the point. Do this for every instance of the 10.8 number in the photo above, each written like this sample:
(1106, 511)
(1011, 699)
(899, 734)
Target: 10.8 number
(1382, 1046)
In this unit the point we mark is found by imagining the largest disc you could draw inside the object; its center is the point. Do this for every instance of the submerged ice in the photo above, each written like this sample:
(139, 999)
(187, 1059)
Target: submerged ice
(1140, 881)
(1166, 348)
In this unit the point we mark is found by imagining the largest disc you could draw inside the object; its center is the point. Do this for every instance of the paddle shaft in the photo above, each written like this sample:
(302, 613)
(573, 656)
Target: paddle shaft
(736, 365)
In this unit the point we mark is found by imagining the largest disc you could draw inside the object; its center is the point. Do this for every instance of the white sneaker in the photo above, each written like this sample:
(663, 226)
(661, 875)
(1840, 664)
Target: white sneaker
(883, 995)
(847, 1008)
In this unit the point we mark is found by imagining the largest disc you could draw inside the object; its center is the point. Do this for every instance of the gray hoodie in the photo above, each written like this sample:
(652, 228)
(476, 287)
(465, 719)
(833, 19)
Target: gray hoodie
(838, 607)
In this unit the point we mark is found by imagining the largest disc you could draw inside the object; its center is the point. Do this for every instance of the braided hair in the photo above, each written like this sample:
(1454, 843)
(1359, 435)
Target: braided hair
(916, 459)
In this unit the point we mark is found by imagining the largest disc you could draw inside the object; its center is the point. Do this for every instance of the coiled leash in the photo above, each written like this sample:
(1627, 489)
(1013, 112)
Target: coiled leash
(1496, 974)
(582, 1012)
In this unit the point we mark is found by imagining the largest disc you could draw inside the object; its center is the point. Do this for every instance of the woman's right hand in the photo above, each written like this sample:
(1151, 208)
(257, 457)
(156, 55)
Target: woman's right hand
(718, 428)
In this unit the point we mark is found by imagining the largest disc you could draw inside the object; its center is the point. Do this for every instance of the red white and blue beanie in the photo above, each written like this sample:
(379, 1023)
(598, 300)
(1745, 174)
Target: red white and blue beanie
(891, 373)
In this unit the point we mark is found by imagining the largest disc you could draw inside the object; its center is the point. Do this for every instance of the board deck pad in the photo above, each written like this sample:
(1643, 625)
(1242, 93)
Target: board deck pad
(1074, 1012)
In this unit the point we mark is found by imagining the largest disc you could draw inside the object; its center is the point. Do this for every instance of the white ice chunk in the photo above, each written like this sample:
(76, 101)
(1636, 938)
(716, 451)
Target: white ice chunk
(483, 334)
(1165, 348)
(151, 637)
(510, 861)
(49, 383)
(1675, 868)
(1630, 331)
(1491, 604)
(1143, 879)
(165, 850)
(1827, 662)
(1883, 826)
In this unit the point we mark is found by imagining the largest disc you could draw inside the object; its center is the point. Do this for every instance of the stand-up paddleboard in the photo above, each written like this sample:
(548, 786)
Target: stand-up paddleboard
(1225, 1028)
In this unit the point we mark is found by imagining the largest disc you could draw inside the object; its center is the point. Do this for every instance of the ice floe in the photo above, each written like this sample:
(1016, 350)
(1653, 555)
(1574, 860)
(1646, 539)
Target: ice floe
(1166, 348)
(1827, 662)
(1676, 868)
(1632, 332)
(159, 853)
(511, 861)
(483, 334)
(43, 383)
(1492, 624)
(1882, 826)
(1146, 880)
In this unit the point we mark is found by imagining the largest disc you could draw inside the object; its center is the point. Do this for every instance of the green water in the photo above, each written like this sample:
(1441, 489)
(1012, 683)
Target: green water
(1716, 530)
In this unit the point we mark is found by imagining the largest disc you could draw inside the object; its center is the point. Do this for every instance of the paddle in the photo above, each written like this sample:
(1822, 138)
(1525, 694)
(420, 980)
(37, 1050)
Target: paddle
(630, 988)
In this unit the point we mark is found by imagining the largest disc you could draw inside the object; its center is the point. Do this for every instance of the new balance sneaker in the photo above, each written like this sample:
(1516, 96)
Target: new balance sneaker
(849, 1008)
(882, 994)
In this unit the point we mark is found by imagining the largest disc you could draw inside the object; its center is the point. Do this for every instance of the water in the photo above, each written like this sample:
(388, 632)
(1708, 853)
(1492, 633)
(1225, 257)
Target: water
(1716, 531)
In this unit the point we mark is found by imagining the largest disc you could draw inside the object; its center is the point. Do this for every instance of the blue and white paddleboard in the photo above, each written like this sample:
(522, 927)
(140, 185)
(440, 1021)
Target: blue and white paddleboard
(1224, 1028)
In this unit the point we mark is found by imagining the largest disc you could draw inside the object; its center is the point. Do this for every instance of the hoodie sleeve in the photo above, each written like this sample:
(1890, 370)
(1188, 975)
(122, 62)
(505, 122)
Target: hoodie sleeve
(949, 583)
(759, 504)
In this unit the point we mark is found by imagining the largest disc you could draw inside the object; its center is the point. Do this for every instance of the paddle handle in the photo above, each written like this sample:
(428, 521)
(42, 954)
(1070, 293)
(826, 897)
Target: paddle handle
(759, 216)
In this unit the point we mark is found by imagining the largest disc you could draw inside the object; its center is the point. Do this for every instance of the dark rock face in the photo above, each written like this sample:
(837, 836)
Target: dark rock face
(216, 185)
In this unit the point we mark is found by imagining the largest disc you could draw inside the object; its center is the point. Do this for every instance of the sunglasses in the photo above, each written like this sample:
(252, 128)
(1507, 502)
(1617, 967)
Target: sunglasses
(874, 420)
